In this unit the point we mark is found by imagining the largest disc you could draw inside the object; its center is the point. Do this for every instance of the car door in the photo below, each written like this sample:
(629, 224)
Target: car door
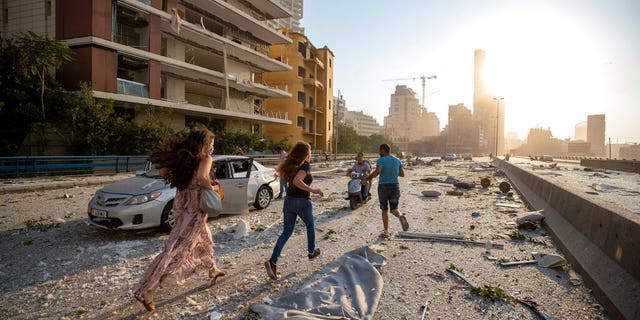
(233, 175)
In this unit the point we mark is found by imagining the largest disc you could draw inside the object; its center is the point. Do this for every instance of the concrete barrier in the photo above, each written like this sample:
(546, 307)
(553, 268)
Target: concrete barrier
(601, 241)
(619, 165)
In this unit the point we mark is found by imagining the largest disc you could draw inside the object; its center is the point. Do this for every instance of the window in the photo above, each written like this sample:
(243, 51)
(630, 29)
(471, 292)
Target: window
(329, 125)
(301, 97)
(330, 63)
(301, 72)
(302, 48)
(329, 83)
(311, 128)
(301, 122)
(240, 168)
(311, 102)
(329, 104)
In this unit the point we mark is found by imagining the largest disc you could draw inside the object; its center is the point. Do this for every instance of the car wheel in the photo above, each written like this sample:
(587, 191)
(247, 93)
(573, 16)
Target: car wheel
(263, 197)
(166, 221)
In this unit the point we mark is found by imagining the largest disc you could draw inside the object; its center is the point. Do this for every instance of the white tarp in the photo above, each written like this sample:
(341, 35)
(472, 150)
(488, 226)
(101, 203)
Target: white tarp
(348, 288)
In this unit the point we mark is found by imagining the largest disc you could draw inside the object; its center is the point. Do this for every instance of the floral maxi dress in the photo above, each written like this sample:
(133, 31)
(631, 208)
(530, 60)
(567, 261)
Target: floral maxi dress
(189, 247)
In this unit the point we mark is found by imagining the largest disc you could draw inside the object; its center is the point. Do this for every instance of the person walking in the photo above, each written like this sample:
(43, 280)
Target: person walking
(283, 156)
(186, 164)
(389, 168)
(297, 172)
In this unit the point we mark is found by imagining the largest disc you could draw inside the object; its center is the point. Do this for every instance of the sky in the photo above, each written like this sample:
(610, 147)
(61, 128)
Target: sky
(553, 61)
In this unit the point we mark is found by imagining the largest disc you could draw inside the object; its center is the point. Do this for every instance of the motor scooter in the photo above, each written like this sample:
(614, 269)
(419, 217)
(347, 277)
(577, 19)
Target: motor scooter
(357, 196)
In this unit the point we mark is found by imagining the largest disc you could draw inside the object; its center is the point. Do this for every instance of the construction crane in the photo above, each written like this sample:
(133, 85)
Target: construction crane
(423, 78)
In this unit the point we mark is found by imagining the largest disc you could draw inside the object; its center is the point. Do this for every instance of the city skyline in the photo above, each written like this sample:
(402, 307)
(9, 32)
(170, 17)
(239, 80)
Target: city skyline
(549, 61)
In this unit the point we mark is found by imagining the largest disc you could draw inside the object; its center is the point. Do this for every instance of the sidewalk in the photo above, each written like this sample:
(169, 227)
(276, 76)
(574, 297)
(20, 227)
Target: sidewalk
(60, 182)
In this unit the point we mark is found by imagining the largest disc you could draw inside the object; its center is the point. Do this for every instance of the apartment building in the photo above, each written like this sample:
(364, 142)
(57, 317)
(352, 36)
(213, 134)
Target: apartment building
(196, 58)
(290, 23)
(362, 123)
(310, 84)
(407, 120)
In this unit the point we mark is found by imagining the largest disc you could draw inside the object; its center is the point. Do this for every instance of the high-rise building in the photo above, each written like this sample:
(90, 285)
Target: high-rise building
(339, 108)
(310, 84)
(580, 133)
(596, 133)
(461, 132)
(488, 109)
(292, 23)
(407, 121)
(197, 58)
(364, 124)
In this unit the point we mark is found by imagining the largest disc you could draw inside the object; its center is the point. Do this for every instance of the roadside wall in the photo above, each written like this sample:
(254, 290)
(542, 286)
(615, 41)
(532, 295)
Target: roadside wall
(619, 165)
(602, 243)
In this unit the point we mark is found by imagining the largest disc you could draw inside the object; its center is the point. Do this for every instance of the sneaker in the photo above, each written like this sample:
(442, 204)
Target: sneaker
(314, 254)
(271, 269)
(404, 223)
(385, 234)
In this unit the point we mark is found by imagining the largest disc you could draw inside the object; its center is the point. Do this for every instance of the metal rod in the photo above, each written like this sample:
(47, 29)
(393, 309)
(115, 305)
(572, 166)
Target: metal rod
(478, 243)
(461, 276)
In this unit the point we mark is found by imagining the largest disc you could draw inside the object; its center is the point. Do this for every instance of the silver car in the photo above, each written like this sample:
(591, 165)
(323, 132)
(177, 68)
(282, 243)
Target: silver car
(146, 201)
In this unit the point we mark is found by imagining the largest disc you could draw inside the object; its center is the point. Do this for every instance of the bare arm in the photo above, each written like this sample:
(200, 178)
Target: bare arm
(202, 175)
(298, 182)
(401, 172)
(371, 176)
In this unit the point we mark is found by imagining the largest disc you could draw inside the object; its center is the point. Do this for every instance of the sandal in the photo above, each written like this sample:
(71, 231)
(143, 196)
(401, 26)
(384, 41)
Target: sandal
(215, 273)
(385, 235)
(147, 304)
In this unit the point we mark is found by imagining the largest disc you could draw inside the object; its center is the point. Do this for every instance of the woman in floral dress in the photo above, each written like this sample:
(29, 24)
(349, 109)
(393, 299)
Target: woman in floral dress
(186, 164)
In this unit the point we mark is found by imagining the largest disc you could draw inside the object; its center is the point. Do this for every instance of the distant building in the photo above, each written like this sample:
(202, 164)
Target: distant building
(340, 107)
(579, 148)
(540, 142)
(580, 131)
(596, 133)
(484, 109)
(310, 84)
(292, 23)
(630, 152)
(461, 132)
(364, 124)
(511, 142)
(407, 121)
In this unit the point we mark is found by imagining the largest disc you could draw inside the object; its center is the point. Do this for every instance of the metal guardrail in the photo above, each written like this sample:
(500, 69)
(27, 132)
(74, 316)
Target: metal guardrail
(20, 167)
(36, 166)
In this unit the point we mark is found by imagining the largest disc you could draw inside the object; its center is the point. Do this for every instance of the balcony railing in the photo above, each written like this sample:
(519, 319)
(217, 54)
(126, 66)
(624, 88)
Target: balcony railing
(132, 88)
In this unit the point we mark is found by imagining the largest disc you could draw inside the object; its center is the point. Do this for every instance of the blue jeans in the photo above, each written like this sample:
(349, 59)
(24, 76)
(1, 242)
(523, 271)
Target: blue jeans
(293, 208)
(365, 189)
(389, 195)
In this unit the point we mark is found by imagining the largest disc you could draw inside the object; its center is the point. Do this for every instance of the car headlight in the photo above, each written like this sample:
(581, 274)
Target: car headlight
(143, 198)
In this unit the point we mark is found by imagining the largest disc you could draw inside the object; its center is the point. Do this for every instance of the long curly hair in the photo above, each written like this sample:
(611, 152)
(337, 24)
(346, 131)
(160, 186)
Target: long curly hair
(181, 155)
(296, 156)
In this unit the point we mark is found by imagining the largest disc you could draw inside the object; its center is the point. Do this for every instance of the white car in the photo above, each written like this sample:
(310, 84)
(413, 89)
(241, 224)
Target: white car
(146, 200)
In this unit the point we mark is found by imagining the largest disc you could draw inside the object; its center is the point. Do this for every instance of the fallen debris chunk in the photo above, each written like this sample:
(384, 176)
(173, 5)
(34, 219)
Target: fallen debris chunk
(485, 182)
(431, 193)
(504, 187)
(454, 193)
(461, 276)
(518, 263)
(477, 243)
(507, 205)
(464, 185)
(530, 221)
(574, 279)
(551, 261)
(431, 180)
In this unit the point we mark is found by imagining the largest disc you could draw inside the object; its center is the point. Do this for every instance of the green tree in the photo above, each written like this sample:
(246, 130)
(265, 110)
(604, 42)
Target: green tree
(37, 54)
(348, 140)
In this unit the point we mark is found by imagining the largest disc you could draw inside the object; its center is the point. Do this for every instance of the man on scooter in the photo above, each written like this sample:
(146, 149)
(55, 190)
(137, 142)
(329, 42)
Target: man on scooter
(362, 166)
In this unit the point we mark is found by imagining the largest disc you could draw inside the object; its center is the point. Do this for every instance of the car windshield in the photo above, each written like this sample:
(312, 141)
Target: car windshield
(152, 173)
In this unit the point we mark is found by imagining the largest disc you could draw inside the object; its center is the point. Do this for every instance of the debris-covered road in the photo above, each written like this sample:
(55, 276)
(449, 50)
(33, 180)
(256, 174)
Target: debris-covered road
(54, 266)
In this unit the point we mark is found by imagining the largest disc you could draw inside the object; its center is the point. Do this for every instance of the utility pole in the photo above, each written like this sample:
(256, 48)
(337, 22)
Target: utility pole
(335, 121)
(609, 148)
(497, 120)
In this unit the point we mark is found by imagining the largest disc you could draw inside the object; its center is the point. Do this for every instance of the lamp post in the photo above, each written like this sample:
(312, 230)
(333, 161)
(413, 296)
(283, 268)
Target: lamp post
(497, 99)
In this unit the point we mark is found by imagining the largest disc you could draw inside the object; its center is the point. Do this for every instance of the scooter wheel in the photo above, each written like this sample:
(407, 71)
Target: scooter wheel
(354, 202)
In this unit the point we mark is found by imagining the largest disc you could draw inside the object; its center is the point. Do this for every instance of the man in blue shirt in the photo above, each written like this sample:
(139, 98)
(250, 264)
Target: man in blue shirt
(389, 168)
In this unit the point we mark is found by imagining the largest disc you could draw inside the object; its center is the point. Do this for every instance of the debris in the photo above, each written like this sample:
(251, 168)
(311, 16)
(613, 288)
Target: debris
(477, 243)
(533, 306)
(475, 214)
(507, 205)
(464, 185)
(530, 220)
(574, 279)
(504, 187)
(499, 173)
(450, 180)
(485, 182)
(239, 230)
(431, 180)
(454, 193)
(267, 301)
(517, 263)
(461, 276)
(420, 235)
(431, 193)
(592, 192)
(215, 315)
(551, 261)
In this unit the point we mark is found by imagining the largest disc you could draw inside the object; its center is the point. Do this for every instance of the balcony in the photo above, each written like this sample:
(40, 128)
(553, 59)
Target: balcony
(314, 60)
(317, 134)
(311, 107)
(132, 88)
(313, 82)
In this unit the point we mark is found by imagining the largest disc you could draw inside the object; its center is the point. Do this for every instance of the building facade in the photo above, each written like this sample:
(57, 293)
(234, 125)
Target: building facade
(630, 152)
(407, 121)
(596, 133)
(580, 131)
(364, 124)
(197, 58)
(295, 7)
(461, 132)
(488, 110)
(310, 84)
(339, 108)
